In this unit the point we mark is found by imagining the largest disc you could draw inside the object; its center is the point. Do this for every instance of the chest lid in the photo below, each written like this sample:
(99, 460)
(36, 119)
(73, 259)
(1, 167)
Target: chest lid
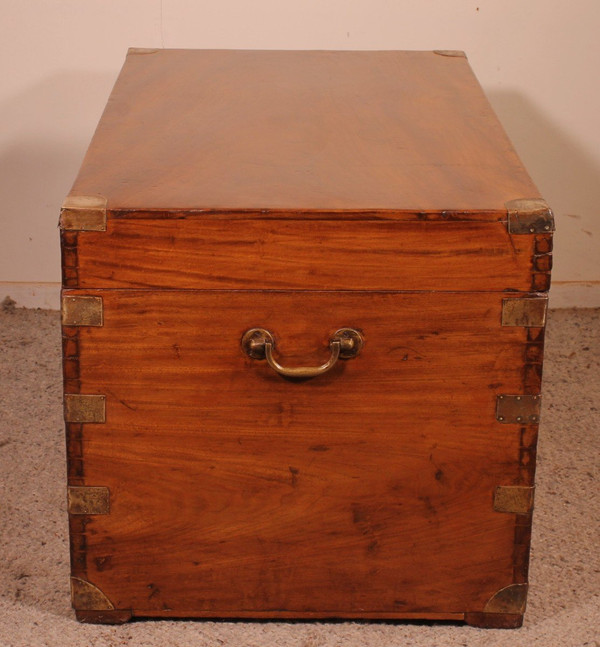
(292, 130)
(404, 142)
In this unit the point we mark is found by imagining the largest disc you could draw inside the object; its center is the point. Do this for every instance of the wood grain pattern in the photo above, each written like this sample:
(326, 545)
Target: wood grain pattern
(228, 130)
(366, 492)
(301, 255)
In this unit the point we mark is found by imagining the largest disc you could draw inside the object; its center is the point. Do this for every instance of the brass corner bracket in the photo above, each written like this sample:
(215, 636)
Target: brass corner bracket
(510, 599)
(83, 213)
(529, 312)
(86, 596)
(88, 499)
(82, 311)
(516, 499)
(450, 52)
(85, 408)
(142, 50)
(518, 409)
(529, 216)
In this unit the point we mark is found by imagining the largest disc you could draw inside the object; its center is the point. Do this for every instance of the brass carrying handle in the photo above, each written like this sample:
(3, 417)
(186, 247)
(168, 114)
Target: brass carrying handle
(259, 343)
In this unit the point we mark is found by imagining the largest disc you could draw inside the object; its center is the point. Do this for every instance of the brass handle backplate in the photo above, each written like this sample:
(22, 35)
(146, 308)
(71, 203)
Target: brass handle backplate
(259, 343)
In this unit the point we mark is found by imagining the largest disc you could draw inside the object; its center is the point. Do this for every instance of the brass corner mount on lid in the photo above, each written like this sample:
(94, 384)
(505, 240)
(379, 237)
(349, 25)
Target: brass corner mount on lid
(529, 216)
(454, 53)
(83, 213)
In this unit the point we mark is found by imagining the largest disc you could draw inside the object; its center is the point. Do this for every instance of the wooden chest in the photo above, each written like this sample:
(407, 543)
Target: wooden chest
(303, 317)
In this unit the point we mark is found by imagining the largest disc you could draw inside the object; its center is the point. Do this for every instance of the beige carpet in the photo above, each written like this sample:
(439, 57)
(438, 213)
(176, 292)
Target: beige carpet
(564, 604)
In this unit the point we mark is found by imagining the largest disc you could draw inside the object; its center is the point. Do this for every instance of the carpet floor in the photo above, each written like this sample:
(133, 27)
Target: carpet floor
(564, 604)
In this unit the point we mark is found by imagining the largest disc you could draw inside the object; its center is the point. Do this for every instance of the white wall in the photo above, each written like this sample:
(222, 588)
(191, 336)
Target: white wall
(536, 59)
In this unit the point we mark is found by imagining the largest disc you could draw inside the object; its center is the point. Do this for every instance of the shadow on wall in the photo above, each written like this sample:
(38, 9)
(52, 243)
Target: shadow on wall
(53, 121)
(565, 174)
(569, 179)
(50, 127)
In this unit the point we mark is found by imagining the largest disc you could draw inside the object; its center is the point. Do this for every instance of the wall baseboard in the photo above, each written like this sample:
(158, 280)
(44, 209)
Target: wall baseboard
(563, 294)
(32, 295)
(574, 294)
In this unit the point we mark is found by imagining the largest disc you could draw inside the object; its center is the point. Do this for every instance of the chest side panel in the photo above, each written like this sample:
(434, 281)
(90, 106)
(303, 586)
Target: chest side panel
(369, 489)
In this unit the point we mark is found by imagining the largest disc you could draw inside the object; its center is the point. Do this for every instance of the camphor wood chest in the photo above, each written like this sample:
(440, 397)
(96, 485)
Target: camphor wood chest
(303, 316)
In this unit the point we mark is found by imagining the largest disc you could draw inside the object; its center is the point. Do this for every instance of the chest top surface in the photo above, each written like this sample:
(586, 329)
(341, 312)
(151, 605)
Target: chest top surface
(300, 131)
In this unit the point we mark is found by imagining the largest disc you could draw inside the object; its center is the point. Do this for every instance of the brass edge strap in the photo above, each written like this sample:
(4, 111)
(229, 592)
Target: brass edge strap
(82, 311)
(85, 499)
(516, 499)
(521, 409)
(80, 407)
(529, 312)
